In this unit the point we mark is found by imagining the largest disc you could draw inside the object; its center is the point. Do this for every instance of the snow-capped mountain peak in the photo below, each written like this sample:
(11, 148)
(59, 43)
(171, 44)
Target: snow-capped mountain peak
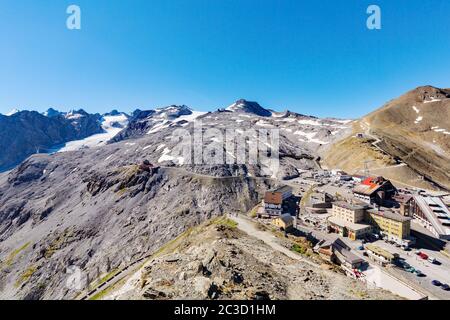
(114, 120)
(12, 112)
(76, 114)
(173, 112)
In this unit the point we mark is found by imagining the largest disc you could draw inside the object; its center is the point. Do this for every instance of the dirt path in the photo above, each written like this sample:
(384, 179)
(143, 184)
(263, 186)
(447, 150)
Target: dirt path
(249, 227)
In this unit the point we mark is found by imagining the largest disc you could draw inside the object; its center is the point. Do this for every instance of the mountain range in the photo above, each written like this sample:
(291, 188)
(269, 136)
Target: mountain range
(94, 204)
(23, 133)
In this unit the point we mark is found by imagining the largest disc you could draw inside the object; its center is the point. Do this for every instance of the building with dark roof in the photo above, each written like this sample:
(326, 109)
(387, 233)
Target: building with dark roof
(375, 190)
(274, 199)
(337, 251)
(392, 225)
(405, 203)
(285, 222)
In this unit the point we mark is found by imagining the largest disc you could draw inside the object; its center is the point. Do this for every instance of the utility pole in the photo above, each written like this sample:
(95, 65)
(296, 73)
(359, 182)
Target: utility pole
(366, 167)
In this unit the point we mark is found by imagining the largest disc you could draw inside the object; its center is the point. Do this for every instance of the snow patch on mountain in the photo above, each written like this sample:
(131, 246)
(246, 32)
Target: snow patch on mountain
(310, 137)
(310, 122)
(165, 156)
(432, 99)
(190, 117)
(12, 112)
(418, 120)
(251, 107)
(112, 125)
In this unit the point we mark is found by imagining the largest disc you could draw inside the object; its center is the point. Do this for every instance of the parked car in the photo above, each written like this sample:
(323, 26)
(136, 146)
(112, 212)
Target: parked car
(432, 260)
(445, 287)
(423, 256)
(436, 283)
(419, 273)
(361, 248)
(411, 270)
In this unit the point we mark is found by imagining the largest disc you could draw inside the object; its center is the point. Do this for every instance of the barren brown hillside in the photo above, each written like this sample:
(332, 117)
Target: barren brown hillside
(411, 133)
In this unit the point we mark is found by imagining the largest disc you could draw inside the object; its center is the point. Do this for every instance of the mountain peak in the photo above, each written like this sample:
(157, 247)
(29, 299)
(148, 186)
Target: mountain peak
(174, 111)
(51, 113)
(115, 113)
(430, 94)
(76, 114)
(12, 112)
(243, 105)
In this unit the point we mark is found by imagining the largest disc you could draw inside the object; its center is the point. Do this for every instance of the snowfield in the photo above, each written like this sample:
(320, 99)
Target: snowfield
(310, 137)
(166, 123)
(109, 124)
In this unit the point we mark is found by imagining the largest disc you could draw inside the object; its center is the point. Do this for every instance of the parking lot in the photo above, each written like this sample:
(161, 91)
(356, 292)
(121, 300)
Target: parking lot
(316, 223)
(430, 271)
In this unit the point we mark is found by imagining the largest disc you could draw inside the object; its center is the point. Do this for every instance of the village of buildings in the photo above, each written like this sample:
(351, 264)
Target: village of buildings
(393, 237)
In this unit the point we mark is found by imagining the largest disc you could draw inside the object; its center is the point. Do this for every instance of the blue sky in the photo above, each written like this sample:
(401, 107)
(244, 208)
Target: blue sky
(307, 56)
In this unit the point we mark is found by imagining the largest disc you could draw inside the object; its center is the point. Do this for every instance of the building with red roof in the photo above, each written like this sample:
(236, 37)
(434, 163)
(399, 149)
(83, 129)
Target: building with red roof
(375, 190)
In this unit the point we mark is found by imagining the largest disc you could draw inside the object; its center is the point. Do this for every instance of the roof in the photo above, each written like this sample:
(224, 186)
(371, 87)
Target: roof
(333, 240)
(281, 189)
(373, 181)
(380, 251)
(340, 247)
(433, 208)
(286, 218)
(349, 256)
(370, 185)
(273, 198)
(366, 189)
(390, 215)
(349, 225)
(403, 198)
(349, 206)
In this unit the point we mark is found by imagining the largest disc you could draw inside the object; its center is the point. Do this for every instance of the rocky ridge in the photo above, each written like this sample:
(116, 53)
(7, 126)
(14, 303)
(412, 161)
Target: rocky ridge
(218, 261)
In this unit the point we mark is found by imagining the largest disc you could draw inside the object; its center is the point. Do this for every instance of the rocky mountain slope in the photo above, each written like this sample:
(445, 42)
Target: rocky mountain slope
(249, 107)
(70, 209)
(27, 132)
(97, 206)
(300, 136)
(409, 137)
(218, 261)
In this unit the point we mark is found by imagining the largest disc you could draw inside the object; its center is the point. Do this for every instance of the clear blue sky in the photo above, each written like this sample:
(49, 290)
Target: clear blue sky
(313, 57)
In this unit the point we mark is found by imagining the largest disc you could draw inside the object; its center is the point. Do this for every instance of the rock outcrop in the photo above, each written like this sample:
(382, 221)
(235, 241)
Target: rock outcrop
(28, 132)
(218, 261)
